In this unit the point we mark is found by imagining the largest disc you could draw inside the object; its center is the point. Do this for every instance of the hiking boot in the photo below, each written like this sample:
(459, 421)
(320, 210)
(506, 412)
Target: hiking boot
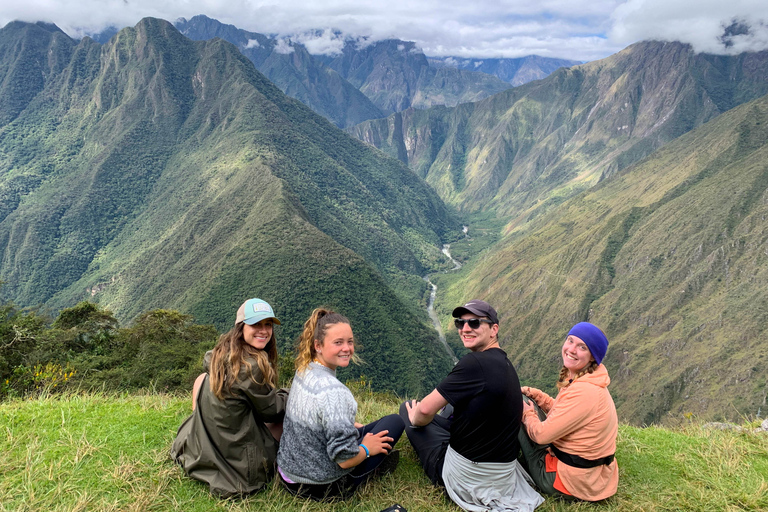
(389, 463)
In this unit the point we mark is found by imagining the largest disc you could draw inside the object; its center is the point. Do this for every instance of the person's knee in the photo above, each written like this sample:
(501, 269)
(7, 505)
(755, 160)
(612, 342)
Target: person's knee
(395, 424)
(403, 413)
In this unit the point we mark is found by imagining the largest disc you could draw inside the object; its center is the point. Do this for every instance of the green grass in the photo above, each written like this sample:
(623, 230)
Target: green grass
(110, 452)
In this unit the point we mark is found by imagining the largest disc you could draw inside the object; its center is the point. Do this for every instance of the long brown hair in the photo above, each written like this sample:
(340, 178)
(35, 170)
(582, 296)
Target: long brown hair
(231, 352)
(314, 329)
(563, 381)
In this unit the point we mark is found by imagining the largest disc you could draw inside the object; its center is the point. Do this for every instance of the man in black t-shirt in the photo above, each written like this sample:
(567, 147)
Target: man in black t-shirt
(484, 396)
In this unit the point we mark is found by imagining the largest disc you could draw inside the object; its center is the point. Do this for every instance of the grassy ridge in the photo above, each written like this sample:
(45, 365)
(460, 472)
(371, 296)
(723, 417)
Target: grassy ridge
(110, 452)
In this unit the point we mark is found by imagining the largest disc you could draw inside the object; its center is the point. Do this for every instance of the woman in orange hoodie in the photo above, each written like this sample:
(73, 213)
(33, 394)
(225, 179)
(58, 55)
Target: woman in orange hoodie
(568, 442)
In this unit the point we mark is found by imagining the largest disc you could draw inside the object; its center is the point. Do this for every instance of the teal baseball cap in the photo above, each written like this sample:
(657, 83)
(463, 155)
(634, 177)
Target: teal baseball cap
(254, 311)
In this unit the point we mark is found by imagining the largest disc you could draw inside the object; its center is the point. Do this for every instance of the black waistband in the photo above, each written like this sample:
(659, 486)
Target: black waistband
(579, 462)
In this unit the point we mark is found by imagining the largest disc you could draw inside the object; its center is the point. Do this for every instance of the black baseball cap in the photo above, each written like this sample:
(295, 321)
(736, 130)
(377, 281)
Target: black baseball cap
(479, 308)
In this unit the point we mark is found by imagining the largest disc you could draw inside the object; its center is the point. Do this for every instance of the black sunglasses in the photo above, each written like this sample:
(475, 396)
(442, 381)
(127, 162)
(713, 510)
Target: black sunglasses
(474, 323)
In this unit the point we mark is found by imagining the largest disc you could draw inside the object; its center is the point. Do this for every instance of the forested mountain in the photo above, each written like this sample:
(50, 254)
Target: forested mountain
(523, 150)
(396, 75)
(516, 71)
(670, 257)
(159, 172)
(297, 73)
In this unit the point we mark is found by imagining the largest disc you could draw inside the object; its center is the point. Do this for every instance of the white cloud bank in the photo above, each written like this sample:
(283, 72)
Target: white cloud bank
(712, 26)
(575, 29)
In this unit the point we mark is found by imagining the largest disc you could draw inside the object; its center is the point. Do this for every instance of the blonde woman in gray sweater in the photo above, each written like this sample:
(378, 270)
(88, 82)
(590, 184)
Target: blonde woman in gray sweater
(324, 453)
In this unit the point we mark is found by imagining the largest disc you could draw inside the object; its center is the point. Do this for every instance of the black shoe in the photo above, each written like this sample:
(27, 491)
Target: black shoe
(395, 508)
(388, 465)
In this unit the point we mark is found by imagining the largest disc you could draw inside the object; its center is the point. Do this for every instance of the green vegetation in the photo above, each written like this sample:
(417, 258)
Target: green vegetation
(110, 452)
(86, 348)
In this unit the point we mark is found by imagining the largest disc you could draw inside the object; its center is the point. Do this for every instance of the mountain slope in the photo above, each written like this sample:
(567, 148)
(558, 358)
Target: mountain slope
(517, 71)
(669, 257)
(396, 75)
(297, 73)
(156, 171)
(526, 149)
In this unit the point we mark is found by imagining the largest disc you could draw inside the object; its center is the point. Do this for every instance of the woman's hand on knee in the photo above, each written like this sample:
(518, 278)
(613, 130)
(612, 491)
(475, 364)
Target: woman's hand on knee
(378, 443)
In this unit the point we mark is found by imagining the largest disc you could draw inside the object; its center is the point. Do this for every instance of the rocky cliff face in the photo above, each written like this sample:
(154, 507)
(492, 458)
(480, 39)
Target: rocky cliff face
(517, 71)
(396, 75)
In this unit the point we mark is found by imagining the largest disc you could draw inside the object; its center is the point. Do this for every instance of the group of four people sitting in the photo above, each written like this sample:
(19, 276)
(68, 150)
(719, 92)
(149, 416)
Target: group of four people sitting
(481, 436)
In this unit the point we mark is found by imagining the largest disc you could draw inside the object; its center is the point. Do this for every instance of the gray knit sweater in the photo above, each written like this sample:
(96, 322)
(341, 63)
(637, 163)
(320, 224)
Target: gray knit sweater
(319, 427)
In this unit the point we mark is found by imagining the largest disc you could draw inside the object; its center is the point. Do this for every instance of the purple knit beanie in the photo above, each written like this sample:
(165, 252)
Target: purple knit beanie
(593, 337)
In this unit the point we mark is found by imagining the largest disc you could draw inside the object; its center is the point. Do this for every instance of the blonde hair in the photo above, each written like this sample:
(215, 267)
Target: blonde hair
(314, 329)
(231, 352)
(563, 381)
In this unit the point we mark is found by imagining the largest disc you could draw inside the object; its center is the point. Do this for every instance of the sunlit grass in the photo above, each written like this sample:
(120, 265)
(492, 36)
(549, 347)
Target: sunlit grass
(110, 452)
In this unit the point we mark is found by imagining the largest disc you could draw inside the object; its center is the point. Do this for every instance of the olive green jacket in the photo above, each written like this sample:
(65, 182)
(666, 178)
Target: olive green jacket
(225, 443)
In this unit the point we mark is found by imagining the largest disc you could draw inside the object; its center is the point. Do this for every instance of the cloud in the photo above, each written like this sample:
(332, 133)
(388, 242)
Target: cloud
(575, 29)
(283, 46)
(712, 26)
(324, 42)
(252, 43)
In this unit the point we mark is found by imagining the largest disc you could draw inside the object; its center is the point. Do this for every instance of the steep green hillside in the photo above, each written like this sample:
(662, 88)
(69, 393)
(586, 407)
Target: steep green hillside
(526, 149)
(297, 73)
(160, 172)
(669, 257)
(396, 75)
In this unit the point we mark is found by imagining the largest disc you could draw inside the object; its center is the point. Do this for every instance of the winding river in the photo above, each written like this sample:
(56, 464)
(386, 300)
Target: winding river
(433, 294)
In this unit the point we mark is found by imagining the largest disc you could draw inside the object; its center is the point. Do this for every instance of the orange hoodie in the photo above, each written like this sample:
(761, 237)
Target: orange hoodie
(581, 421)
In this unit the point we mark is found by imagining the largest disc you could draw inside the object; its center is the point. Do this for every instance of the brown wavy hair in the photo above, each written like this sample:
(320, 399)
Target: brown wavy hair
(231, 352)
(563, 381)
(314, 329)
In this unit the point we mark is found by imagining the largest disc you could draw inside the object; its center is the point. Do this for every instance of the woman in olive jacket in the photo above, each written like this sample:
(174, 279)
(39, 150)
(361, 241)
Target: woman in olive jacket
(230, 441)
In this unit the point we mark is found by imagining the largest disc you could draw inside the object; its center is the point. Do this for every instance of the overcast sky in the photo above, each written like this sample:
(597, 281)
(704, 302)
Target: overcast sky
(574, 29)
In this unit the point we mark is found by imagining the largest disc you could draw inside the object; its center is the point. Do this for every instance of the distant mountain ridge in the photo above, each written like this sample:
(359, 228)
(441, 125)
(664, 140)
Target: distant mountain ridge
(396, 75)
(362, 83)
(516, 71)
(296, 72)
(160, 172)
(525, 149)
(370, 80)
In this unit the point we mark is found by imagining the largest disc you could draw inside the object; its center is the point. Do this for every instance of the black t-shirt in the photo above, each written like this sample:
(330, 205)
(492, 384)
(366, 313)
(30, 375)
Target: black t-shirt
(485, 393)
